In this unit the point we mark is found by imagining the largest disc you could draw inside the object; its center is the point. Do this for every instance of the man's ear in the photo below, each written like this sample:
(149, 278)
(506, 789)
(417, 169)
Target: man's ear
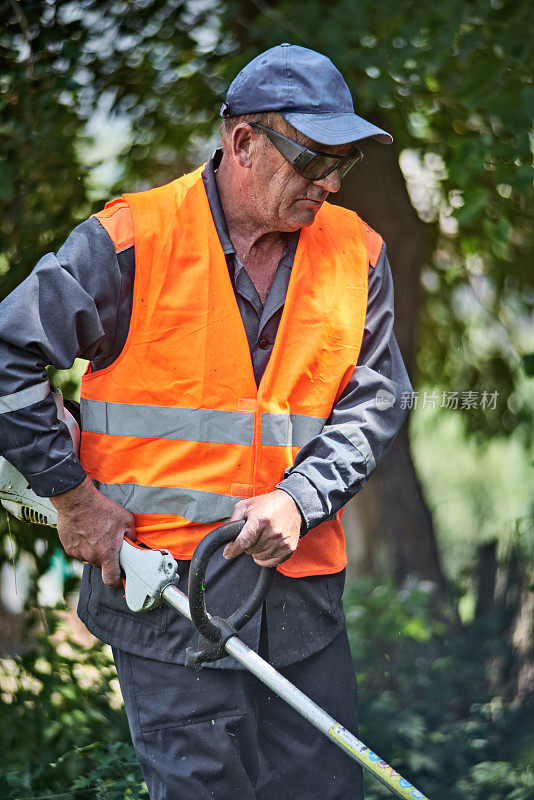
(242, 144)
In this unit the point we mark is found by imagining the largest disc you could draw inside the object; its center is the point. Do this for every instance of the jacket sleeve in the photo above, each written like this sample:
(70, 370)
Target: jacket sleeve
(67, 308)
(333, 466)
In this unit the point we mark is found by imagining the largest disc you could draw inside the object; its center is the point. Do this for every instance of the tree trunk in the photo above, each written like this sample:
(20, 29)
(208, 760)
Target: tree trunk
(388, 524)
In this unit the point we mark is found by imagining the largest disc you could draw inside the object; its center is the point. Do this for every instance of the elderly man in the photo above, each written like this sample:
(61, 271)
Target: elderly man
(238, 329)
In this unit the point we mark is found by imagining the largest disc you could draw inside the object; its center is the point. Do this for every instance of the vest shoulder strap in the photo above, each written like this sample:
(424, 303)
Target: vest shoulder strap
(350, 221)
(116, 219)
(374, 243)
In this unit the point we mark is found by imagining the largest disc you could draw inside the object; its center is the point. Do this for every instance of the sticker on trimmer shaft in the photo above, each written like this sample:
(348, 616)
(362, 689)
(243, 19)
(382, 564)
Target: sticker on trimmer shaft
(357, 748)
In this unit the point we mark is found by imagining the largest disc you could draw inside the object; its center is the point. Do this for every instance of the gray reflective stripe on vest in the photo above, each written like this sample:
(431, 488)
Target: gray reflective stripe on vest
(192, 504)
(167, 422)
(289, 429)
(26, 397)
(197, 424)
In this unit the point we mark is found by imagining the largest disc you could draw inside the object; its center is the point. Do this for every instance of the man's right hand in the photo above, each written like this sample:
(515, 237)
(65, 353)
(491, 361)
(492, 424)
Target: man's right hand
(92, 527)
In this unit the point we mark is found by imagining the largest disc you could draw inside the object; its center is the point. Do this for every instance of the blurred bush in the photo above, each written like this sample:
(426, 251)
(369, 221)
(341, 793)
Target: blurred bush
(445, 702)
(63, 730)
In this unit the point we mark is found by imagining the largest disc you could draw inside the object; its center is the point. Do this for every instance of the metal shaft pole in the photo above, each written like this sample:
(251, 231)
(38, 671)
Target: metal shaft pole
(352, 746)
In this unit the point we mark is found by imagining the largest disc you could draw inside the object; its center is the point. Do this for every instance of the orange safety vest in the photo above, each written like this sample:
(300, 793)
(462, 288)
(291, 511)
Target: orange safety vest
(175, 429)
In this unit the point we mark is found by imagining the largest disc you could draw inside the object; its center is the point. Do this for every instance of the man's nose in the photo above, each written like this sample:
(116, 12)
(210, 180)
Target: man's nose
(332, 182)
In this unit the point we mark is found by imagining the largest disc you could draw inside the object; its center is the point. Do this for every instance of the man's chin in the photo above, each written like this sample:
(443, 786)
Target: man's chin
(302, 217)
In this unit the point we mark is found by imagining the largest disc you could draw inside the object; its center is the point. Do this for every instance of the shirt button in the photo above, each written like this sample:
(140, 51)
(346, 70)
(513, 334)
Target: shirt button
(264, 344)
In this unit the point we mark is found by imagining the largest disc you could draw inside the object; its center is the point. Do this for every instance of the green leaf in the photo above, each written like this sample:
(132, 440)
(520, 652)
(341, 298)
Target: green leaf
(528, 364)
(475, 201)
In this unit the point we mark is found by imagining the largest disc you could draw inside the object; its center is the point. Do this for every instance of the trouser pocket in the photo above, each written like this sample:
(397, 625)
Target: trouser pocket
(194, 733)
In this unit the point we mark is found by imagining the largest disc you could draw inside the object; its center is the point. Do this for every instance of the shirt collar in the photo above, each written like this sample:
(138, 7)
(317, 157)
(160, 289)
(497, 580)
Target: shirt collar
(210, 184)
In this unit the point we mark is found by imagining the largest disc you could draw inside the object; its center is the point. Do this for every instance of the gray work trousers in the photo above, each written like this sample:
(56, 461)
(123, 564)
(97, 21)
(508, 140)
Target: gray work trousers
(221, 734)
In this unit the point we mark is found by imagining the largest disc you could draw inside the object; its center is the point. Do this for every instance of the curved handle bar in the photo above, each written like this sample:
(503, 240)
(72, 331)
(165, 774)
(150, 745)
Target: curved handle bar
(209, 628)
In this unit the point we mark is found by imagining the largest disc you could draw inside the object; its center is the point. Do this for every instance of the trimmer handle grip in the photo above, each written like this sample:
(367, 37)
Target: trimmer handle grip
(212, 629)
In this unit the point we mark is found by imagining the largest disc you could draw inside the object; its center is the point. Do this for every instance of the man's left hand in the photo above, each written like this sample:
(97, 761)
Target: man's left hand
(272, 529)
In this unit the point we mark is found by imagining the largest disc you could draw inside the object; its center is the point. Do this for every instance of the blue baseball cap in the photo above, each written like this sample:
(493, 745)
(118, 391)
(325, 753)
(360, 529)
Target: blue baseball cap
(306, 89)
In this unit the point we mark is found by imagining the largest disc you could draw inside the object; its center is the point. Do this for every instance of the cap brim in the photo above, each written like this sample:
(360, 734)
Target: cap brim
(335, 128)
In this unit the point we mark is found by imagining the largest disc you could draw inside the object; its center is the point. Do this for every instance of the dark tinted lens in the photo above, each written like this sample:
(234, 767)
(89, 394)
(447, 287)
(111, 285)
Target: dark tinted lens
(319, 167)
(311, 165)
(304, 162)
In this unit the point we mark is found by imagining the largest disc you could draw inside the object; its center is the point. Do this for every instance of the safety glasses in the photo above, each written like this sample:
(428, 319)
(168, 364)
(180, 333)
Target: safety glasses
(310, 164)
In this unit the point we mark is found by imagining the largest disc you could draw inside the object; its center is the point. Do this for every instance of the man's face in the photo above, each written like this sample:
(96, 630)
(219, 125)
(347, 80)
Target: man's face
(281, 198)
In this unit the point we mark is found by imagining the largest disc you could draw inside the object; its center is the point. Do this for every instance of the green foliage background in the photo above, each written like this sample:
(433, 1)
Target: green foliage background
(441, 696)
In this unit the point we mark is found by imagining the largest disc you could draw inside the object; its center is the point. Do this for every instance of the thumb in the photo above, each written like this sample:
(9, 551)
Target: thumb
(111, 573)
